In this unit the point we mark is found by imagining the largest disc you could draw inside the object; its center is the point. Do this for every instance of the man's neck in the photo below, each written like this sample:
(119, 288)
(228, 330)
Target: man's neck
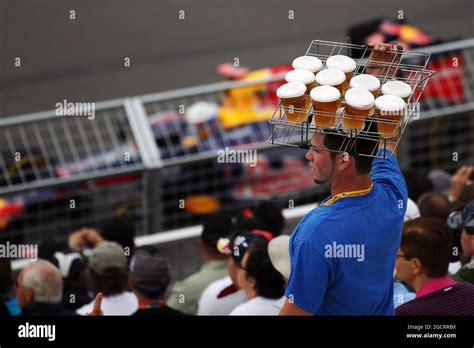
(420, 284)
(419, 281)
(356, 183)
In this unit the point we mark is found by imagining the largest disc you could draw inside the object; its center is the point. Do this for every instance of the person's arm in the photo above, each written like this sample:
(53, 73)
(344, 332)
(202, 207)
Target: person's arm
(384, 60)
(458, 181)
(391, 143)
(289, 308)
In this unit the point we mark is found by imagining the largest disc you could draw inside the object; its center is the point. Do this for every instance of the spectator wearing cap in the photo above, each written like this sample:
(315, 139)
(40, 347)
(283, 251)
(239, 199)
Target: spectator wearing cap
(186, 293)
(39, 290)
(464, 221)
(279, 252)
(422, 262)
(435, 205)
(149, 279)
(262, 283)
(108, 274)
(223, 295)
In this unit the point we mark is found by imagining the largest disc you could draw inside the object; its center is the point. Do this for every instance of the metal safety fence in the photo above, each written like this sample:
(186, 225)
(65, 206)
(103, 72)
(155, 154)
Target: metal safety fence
(170, 158)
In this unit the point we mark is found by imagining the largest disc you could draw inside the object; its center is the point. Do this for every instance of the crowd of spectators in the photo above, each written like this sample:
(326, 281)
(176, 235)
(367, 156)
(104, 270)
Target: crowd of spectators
(246, 263)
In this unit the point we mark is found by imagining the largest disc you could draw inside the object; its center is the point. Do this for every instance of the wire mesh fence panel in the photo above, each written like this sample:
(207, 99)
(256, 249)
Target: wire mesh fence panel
(443, 136)
(58, 147)
(49, 215)
(61, 172)
(451, 90)
(444, 142)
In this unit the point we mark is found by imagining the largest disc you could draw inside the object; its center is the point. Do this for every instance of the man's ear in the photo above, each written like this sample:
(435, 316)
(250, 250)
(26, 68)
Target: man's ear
(29, 295)
(343, 160)
(416, 266)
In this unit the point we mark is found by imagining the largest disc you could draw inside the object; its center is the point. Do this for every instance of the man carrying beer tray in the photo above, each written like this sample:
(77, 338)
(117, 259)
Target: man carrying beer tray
(343, 252)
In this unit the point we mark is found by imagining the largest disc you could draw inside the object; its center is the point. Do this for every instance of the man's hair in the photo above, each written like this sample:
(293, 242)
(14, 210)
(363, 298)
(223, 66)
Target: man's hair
(44, 280)
(355, 147)
(428, 240)
(269, 282)
(114, 283)
(432, 204)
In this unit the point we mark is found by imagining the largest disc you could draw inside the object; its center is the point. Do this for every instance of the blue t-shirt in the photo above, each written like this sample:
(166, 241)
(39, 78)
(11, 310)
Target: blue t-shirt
(343, 254)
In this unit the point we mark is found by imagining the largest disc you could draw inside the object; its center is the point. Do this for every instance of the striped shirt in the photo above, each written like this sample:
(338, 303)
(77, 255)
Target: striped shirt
(457, 299)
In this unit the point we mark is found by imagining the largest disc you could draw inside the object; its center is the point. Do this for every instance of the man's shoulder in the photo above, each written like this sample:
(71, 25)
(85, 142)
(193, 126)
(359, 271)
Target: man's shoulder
(430, 301)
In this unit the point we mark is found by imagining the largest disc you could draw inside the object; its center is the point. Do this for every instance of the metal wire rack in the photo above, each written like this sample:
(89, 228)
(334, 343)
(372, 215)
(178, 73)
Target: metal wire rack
(406, 66)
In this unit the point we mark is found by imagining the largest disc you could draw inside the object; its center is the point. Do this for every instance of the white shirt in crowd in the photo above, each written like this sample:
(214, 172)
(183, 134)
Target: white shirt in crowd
(125, 303)
(255, 306)
(276, 307)
(412, 211)
(209, 304)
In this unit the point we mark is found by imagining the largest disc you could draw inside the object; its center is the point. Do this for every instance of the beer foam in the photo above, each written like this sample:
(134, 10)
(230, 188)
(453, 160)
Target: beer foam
(368, 82)
(300, 75)
(291, 90)
(398, 88)
(310, 63)
(341, 62)
(390, 103)
(330, 77)
(325, 94)
(359, 98)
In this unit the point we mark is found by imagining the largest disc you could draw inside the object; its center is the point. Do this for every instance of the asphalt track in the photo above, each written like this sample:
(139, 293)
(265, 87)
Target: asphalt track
(82, 59)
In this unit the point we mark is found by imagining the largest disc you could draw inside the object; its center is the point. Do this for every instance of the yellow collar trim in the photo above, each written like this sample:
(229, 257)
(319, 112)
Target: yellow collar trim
(347, 194)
